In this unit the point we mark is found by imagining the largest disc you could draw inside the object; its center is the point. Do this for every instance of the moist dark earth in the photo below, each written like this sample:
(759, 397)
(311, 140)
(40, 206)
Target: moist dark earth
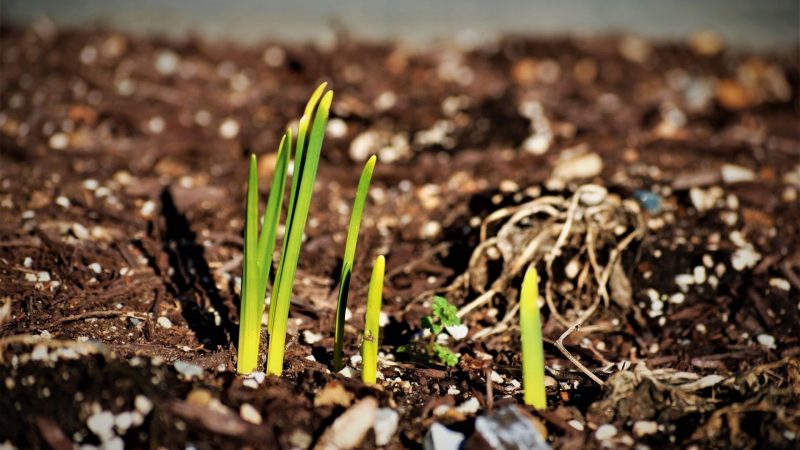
(658, 183)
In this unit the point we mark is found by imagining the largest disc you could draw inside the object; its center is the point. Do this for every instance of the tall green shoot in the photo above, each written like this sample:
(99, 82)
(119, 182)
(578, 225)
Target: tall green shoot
(349, 259)
(369, 346)
(532, 347)
(311, 132)
(258, 255)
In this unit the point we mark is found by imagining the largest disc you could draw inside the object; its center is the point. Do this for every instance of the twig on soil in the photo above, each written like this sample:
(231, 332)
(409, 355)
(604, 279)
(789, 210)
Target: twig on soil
(97, 314)
(406, 268)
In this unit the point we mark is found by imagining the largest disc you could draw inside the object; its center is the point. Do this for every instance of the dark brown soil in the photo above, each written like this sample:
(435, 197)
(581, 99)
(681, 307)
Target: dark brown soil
(122, 172)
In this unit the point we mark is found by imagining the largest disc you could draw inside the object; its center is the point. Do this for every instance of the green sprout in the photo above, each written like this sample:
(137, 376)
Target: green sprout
(311, 132)
(445, 355)
(348, 260)
(532, 347)
(369, 346)
(443, 315)
(258, 255)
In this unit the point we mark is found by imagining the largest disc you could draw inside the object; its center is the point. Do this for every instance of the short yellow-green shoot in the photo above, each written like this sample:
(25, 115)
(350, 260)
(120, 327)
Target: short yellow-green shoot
(369, 346)
(532, 347)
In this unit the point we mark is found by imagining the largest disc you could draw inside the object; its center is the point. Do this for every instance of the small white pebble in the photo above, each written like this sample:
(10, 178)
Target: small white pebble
(148, 208)
(337, 128)
(63, 201)
(101, 424)
(310, 337)
(677, 298)
(250, 414)
(766, 340)
(605, 432)
(441, 410)
(27, 262)
(80, 231)
(644, 427)
(708, 261)
(458, 332)
(684, 281)
(96, 268)
(156, 125)
(229, 128)
(745, 258)
(431, 229)
(576, 424)
(699, 274)
(386, 422)
(274, 56)
(780, 283)
(58, 141)
(115, 443)
(39, 353)
(732, 173)
(123, 421)
(164, 322)
(43, 277)
(90, 184)
(496, 377)
(572, 269)
(143, 404)
(167, 62)
(470, 406)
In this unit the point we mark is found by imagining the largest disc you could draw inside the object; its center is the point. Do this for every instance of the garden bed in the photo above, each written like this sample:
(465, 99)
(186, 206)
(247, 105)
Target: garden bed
(123, 166)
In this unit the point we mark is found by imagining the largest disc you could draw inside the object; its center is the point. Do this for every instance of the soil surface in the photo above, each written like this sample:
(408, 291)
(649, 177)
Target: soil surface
(654, 186)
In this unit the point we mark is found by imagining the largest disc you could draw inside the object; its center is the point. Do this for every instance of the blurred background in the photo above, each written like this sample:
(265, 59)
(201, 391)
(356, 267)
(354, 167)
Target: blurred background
(755, 24)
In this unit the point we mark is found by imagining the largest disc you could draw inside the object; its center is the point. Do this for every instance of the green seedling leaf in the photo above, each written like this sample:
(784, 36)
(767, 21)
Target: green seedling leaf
(447, 313)
(299, 202)
(532, 347)
(428, 323)
(272, 215)
(300, 149)
(349, 260)
(445, 355)
(369, 346)
(249, 324)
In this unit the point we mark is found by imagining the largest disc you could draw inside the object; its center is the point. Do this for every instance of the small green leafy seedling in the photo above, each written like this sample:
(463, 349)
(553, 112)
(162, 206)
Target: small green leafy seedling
(443, 315)
(532, 347)
(369, 346)
(311, 132)
(348, 260)
(258, 255)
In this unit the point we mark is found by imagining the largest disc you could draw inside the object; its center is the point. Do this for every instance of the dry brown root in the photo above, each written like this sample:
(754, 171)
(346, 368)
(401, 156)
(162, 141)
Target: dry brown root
(585, 234)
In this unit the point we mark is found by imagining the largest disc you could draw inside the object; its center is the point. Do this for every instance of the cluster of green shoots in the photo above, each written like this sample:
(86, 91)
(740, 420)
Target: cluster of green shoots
(257, 266)
(259, 248)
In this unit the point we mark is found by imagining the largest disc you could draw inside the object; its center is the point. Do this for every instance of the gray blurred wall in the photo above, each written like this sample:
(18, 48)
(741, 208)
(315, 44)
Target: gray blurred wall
(744, 23)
